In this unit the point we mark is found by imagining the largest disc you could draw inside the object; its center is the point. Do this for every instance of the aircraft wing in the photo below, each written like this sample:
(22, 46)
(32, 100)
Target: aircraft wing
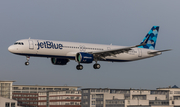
(113, 52)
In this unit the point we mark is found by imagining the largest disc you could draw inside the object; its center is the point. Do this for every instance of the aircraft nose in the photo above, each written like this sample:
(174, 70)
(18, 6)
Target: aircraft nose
(11, 49)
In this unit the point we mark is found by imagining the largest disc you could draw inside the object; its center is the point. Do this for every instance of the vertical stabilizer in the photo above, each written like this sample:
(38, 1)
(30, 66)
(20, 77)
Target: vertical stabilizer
(150, 38)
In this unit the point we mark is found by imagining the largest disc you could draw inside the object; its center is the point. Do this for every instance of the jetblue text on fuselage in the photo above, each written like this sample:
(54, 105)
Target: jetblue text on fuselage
(49, 45)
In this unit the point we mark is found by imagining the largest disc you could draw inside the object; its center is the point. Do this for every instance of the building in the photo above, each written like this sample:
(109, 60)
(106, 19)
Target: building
(162, 97)
(174, 95)
(69, 98)
(37, 96)
(32, 95)
(5, 102)
(6, 89)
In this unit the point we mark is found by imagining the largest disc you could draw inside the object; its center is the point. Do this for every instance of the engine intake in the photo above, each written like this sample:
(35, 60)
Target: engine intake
(59, 61)
(82, 57)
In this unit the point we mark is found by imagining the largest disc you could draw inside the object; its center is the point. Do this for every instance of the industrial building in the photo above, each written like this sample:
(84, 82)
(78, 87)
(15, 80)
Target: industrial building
(162, 97)
(37, 96)
(70, 96)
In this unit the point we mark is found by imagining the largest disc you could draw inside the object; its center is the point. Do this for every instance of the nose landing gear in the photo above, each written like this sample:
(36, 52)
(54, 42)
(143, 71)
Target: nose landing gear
(27, 58)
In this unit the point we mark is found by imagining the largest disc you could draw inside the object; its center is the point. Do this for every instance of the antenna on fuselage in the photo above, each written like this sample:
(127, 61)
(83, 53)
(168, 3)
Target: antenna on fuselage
(29, 37)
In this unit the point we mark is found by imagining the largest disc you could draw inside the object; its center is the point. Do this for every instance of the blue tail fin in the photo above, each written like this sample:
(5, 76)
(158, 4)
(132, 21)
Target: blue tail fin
(150, 38)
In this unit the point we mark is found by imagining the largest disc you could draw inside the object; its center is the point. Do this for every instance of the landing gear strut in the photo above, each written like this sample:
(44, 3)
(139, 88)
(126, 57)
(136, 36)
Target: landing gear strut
(79, 67)
(27, 58)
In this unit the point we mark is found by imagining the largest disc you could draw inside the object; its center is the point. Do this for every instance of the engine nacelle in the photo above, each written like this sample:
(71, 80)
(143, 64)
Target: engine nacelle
(82, 57)
(59, 61)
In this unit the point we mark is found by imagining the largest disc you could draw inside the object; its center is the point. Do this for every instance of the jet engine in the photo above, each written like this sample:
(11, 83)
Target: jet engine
(82, 57)
(59, 61)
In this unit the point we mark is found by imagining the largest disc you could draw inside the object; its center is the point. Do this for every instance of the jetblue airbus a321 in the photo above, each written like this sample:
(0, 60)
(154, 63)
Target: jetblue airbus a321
(62, 52)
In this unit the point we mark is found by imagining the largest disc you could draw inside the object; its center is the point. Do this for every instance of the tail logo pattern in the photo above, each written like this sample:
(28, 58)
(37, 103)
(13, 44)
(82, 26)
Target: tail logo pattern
(151, 38)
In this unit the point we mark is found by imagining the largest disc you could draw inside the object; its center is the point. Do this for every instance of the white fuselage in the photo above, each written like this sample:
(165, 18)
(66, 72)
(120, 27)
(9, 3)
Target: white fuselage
(61, 49)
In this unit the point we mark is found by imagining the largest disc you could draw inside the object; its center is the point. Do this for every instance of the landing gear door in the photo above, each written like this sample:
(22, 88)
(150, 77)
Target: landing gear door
(139, 53)
(31, 44)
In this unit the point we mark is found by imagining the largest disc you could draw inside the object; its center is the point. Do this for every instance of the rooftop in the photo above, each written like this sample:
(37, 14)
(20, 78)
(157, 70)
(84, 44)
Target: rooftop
(173, 87)
(121, 89)
(43, 86)
(7, 81)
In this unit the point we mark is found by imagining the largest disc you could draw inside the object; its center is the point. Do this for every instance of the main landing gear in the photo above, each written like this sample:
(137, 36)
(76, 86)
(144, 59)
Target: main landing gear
(79, 67)
(27, 58)
(95, 66)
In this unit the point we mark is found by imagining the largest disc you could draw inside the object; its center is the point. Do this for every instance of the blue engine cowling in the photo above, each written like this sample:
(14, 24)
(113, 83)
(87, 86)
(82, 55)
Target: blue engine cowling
(59, 61)
(82, 57)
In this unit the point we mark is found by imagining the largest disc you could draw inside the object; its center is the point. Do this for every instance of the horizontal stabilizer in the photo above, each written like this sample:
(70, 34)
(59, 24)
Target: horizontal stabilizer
(159, 51)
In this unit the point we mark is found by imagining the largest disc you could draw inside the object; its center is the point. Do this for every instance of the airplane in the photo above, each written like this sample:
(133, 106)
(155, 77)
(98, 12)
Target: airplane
(62, 52)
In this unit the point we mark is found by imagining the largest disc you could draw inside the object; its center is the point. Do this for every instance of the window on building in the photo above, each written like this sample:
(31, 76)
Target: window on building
(106, 91)
(7, 105)
(176, 92)
(158, 102)
(155, 98)
(85, 91)
(93, 96)
(112, 91)
(15, 88)
(99, 95)
(98, 90)
(85, 97)
(127, 97)
(32, 88)
(93, 90)
(12, 104)
(139, 97)
(99, 102)
(86, 103)
(171, 92)
(49, 89)
(57, 88)
(64, 89)
(72, 103)
(25, 88)
(25, 91)
(93, 102)
(176, 97)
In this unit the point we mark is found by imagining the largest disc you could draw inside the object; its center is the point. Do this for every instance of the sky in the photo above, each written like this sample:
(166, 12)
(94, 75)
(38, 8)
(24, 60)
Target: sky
(120, 22)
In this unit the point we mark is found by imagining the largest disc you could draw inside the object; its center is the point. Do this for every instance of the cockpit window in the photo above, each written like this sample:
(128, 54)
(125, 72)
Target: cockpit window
(19, 43)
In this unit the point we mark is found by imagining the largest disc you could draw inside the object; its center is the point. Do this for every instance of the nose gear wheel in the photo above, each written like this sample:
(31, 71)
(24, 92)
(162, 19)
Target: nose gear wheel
(27, 58)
